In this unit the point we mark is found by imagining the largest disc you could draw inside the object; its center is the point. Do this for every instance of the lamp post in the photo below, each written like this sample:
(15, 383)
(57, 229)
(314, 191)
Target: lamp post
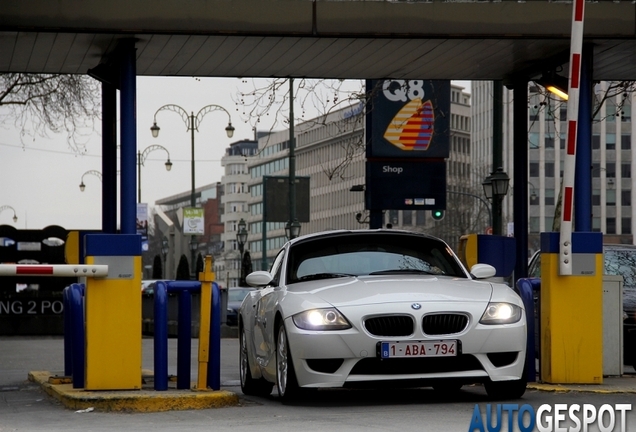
(6, 207)
(141, 158)
(165, 247)
(241, 239)
(495, 188)
(192, 123)
(193, 249)
(97, 174)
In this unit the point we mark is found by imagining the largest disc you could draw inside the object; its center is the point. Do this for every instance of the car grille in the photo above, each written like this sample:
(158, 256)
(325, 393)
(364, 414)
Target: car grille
(377, 366)
(390, 325)
(443, 324)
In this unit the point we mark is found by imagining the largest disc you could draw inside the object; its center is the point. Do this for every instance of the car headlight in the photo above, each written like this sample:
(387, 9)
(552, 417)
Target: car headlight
(321, 319)
(501, 313)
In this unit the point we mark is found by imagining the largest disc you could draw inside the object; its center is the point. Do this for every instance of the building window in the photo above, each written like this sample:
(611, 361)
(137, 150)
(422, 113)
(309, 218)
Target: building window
(534, 224)
(549, 197)
(596, 224)
(549, 169)
(610, 197)
(420, 217)
(610, 226)
(610, 170)
(407, 217)
(596, 142)
(626, 112)
(596, 197)
(626, 223)
(534, 169)
(533, 139)
(549, 140)
(626, 170)
(626, 197)
(610, 144)
(626, 142)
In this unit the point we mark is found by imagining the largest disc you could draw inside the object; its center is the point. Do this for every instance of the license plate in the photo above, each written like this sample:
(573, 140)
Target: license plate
(440, 348)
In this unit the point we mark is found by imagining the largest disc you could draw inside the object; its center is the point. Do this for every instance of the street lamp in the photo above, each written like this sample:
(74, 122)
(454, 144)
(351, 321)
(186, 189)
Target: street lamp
(97, 174)
(192, 123)
(495, 188)
(241, 239)
(292, 230)
(141, 158)
(6, 207)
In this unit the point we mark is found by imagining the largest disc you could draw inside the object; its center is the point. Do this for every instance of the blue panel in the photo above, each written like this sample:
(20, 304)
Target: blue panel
(498, 251)
(582, 242)
(549, 242)
(112, 245)
(587, 242)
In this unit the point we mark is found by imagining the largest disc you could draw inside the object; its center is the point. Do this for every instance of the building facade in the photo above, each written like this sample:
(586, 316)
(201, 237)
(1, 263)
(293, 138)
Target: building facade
(612, 154)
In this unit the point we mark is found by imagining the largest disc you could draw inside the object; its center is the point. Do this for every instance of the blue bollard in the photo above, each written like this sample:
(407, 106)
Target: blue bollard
(214, 363)
(161, 336)
(526, 288)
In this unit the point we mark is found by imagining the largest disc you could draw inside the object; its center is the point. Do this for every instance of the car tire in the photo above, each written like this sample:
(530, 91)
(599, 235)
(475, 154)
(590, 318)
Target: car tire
(249, 385)
(500, 390)
(286, 381)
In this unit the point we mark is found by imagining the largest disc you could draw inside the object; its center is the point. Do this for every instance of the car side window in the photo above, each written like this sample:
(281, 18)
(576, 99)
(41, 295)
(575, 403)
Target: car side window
(276, 268)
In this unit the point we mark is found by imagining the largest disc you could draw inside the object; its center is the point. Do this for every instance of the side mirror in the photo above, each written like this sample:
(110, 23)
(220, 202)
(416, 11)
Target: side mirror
(259, 278)
(483, 271)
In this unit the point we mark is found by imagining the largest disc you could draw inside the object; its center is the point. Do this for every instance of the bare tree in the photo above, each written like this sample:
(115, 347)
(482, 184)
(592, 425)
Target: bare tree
(39, 103)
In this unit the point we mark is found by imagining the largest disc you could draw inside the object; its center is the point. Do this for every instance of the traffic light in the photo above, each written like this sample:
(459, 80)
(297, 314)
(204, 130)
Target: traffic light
(438, 215)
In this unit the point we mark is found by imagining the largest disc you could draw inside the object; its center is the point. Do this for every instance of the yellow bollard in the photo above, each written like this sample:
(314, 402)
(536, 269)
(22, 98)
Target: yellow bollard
(206, 277)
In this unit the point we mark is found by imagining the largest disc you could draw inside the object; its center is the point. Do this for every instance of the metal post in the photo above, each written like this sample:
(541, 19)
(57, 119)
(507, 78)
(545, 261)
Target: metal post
(497, 150)
(520, 176)
(192, 198)
(292, 157)
(128, 133)
(109, 158)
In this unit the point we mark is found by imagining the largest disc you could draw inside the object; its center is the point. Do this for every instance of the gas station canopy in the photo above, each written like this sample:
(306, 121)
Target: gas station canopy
(347, 39)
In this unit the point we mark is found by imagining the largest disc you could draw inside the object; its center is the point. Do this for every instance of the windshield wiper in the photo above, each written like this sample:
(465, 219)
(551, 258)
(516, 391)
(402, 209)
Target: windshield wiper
(318, 276)
(406, 271)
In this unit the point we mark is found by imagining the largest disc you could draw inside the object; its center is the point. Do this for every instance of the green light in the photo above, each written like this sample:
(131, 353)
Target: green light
(438, 215)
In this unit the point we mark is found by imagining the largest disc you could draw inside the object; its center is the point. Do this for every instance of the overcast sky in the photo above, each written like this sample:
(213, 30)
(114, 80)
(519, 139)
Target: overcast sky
(40, 177)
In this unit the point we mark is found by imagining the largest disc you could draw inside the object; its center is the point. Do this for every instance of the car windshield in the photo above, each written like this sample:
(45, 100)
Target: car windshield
(370, 254)
(237, 294)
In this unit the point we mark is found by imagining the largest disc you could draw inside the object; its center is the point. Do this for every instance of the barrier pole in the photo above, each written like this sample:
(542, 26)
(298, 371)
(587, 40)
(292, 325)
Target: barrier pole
(206, 277)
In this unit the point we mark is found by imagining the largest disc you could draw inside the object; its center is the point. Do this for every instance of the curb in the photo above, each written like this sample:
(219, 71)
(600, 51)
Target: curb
(144, 400)
(559, 388)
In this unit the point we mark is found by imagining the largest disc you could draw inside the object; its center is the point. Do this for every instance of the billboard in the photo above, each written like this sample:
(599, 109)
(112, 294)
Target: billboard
(408, 118)
(405, 185)
(276, 198)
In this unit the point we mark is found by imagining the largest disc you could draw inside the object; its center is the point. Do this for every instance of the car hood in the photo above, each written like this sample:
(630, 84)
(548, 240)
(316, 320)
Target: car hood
(392, 289)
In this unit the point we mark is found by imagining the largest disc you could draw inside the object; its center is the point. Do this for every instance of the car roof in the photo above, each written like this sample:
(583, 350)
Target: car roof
(333, 233)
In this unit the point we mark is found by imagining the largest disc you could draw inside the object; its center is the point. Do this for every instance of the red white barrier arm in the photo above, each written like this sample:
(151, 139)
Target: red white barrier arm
(60, 270)
(576, 45)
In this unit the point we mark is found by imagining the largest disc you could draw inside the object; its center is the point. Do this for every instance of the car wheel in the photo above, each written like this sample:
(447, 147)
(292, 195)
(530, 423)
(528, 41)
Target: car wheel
(500, 390)
(285, 376)
(249, 385)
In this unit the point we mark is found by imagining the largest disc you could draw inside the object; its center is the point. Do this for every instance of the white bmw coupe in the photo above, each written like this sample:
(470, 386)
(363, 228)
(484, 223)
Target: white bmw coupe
(371, 307)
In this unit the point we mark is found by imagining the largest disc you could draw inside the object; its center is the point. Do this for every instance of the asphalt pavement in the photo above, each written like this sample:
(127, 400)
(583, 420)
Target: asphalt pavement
(27, 393)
